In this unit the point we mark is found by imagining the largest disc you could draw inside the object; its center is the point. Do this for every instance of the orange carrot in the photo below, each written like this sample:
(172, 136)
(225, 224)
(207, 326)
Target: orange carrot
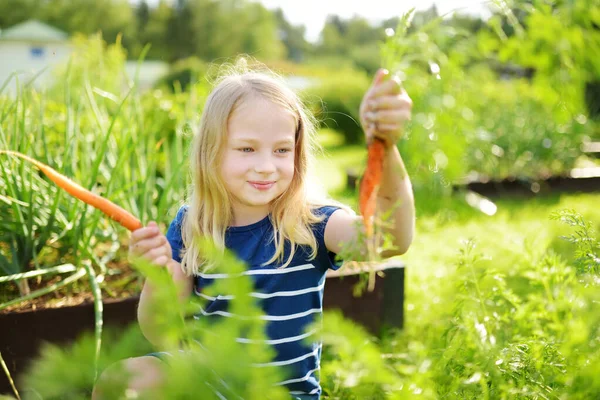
(369, 185)
(109, 208)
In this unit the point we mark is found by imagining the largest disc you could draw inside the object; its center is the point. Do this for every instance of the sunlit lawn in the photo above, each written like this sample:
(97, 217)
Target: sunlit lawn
(519, 231)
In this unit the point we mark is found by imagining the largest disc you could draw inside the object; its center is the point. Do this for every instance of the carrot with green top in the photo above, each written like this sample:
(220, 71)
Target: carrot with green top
(367, 197)
(369, 184)
(371, 180)
(109, 208)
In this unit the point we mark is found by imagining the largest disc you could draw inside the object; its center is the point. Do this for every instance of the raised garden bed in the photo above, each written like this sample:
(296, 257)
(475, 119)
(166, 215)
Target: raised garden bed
(578, 180)
(23, 333)
(375, 310)
(583, 180)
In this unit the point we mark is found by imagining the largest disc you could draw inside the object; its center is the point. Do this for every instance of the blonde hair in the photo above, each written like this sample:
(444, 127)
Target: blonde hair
(210, 211)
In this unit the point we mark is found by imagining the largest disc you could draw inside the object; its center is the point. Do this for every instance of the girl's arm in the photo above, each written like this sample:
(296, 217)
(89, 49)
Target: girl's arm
(396, 196)
(146, 311)
(383, 111)
(149, 243)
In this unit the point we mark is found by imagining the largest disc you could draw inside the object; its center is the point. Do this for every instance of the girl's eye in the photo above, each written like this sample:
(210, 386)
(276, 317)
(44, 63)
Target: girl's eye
(250, 149)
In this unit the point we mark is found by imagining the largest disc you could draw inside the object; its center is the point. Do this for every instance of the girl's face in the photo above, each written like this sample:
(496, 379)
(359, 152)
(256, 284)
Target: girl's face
(258, 159)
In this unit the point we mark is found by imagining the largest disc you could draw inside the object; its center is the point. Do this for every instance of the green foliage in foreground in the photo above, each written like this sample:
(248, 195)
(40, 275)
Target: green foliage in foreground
(211, 352)
(510, 314)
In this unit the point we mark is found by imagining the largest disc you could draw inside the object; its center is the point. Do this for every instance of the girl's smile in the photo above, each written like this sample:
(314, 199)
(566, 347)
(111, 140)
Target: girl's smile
(262, 185)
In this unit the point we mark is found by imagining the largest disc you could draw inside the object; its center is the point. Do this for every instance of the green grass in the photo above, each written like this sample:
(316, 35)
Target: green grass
(521, 230)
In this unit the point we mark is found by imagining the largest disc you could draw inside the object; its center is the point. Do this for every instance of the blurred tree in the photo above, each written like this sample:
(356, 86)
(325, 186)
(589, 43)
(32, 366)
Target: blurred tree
(208, 29)
(213, 29)
(13, 12)
(470, 23)
(180, 38)
(559, 41)
(361, 32)
(153, 24)
(390, 23)
(143, 15)
(358, 40)
(354, 38)
(340, 36)
(259, 33)
(293, 37)
(112, 17)
(331, 41)
(466, 22)
(421, 18)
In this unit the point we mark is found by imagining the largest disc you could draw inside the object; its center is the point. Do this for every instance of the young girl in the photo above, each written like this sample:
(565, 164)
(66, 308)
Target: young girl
(250, 162)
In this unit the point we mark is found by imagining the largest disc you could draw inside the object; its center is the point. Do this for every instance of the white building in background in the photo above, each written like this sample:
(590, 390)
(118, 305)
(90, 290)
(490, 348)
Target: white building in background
(27, 48)
(33, 47)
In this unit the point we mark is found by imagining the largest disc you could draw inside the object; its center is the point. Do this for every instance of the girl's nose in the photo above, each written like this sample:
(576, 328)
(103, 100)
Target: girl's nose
(265, 164)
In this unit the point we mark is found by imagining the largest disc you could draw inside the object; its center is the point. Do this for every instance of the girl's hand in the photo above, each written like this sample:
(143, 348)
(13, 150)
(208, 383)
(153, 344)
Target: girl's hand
(150, 244)
(384, 109)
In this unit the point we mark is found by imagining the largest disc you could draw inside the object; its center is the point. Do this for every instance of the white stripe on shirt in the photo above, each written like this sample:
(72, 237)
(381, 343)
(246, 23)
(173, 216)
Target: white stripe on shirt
(259, 272)
(304, 378)
(211, 298)
(284, 293)
(278, 341)
(314, 391)
(263, 317)
(313, 353)
(288, 293)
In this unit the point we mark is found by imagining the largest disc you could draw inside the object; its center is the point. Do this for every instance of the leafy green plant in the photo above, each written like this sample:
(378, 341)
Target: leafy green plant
(44, 232)
(508, 327)
(9, 377)
(25, 206)
(588, 261)
(468, 123)
(134, 145)
(353, 367)
(211, 353)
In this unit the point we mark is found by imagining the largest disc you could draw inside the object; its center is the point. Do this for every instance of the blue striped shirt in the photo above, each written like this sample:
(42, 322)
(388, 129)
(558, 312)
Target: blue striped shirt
(291, 298)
